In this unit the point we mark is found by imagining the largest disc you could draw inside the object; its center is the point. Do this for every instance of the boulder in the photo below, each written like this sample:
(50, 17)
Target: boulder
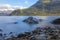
(56, 21)
(21, 35)
(15, 22)
(31, 20)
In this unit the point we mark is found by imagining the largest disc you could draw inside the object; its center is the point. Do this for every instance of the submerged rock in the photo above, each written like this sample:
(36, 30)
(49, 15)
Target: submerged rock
(31, 20)
(1, 30)
(40, 19)
(13, 23)
(56, 21)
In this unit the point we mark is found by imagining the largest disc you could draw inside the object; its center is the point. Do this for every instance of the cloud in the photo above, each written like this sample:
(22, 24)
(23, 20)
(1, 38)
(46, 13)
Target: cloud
(9, 7)
(26, 2)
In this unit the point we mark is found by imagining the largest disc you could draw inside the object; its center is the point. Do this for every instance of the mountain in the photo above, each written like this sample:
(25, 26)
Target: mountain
(41, 7)
(6, 9)
(5, 12)
(16, 12)
(37, 5)
(49, 6)
(53, 7)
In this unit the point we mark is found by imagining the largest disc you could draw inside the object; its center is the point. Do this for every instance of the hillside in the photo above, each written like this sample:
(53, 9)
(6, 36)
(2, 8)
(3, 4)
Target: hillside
(42, 7)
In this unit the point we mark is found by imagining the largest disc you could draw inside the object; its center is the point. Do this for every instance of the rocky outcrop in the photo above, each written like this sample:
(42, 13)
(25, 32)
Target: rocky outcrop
(40, 34)
(56, 21)
(31, 20)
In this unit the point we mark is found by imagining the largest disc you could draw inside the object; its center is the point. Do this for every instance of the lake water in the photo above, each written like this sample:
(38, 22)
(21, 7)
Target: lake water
(7, 23)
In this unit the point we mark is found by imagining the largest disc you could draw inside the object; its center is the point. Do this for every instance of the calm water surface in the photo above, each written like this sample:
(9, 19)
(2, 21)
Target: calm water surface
(7, 23)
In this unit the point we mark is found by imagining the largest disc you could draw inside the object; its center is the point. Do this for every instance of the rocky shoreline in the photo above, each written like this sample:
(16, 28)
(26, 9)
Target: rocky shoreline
(40, 33)
(46, 33)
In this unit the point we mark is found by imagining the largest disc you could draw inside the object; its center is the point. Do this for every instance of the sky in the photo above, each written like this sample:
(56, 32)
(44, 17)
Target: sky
(17, 3)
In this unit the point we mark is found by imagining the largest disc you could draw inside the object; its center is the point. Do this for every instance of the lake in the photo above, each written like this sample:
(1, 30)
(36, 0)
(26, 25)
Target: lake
(7, 23)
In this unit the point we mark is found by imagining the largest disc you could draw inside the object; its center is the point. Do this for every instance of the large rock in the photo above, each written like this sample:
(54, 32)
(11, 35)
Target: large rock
(31, 20)
(56, 21)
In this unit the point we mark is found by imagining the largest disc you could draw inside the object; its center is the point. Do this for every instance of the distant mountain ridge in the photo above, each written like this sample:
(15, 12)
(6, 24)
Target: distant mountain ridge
(5, 12)
(16, 12)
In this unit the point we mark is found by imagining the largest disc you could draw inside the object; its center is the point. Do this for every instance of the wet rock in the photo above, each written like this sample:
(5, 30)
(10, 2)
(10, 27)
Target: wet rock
(21, 35)
(1, 34)
(28, 33)
(10, 32)
(1, 38)
(15, 22)
(40, 19)
(31, 20)
(1, 30)
(56, 21)
(33, 38)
